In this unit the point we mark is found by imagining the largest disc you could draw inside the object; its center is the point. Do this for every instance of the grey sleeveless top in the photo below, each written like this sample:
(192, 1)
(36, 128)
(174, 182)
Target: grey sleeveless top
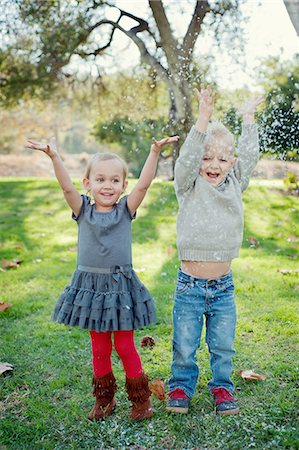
(104, 238)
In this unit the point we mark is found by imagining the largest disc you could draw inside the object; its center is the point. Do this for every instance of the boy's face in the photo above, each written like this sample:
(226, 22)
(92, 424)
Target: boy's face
(217, 161)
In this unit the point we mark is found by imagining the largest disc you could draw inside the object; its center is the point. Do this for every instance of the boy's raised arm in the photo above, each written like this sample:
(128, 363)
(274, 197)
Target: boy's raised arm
(188, 164)
(70, 193)
(248, 147)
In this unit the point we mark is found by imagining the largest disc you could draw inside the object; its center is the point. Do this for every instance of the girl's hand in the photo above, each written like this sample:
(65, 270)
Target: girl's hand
(50, 149)
(158, 145)
(206, 100)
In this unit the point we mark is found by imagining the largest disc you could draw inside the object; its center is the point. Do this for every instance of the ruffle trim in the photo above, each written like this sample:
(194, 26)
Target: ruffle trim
(99, 302)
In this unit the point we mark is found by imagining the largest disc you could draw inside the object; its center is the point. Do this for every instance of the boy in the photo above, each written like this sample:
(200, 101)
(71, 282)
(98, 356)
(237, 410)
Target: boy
(209, 182)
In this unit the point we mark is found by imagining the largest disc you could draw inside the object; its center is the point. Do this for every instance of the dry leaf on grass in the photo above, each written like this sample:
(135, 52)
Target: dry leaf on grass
(157, 387)
(147, 341)
(253, 242)
(170, 250)
(251, 375)
(4, 306)
(287, 272)
(9, 264)
(5, 367)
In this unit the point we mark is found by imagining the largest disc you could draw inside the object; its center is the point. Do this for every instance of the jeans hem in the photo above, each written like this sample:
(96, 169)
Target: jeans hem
(183, 389)
(230, 390)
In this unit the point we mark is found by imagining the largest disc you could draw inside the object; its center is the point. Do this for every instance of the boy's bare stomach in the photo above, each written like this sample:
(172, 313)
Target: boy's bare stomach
(206, 269)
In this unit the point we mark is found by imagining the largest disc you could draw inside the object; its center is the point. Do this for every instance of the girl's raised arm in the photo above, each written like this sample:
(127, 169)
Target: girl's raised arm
(70, 193)
(148, 173)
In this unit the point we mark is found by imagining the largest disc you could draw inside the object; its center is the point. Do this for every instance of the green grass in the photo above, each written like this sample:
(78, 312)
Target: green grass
(45, 400)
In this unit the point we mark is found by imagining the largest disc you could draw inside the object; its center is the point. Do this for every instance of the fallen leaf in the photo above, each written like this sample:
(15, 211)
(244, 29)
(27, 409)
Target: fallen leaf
(5, 367)
(292, 239)
(251, 375)
(170, 250)
(157, 387)
(4, 306)
(147, 341)
(8, 264)
(287, 272)
(253, 242)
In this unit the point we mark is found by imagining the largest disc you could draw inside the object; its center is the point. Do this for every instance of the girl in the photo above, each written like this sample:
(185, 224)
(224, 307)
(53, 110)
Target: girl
(105, 295)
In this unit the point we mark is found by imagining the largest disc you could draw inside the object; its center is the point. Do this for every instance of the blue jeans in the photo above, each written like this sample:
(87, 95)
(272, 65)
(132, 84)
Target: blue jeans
(194, 299)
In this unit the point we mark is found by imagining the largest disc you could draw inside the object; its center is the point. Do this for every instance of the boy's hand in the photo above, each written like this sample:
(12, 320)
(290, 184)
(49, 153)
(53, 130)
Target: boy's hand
(206, 106)
(50, 149)
(206, 100)
(248, 109)
(158, 145)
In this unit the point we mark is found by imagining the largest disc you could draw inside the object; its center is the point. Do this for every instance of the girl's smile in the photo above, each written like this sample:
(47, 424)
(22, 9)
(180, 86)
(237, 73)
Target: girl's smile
(106, 183)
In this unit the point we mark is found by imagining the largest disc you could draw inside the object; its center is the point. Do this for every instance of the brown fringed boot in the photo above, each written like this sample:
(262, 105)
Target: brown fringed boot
(139, 394)
(104, 389)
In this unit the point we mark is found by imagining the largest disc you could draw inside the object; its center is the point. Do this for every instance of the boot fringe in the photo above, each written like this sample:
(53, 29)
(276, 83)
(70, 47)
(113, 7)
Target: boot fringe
(138, 389)
(104, 386)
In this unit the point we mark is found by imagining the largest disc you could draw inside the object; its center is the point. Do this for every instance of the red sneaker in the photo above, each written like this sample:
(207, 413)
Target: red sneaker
(178, 401)
(225, 403)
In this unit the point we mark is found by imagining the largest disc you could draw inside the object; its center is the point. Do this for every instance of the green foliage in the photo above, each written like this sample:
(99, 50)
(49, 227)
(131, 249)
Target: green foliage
(292, 182)
(132, 137)
(233, 121)
(43, 37)
(279, 121)
(45, 400)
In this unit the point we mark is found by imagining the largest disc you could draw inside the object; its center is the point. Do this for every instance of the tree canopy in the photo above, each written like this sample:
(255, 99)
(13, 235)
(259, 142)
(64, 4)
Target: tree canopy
(45, 40)
(279, 121)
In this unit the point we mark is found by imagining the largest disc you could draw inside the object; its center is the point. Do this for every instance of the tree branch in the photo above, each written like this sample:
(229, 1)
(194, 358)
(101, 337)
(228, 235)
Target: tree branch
(145, 55)
(201, 9)
(168, 42)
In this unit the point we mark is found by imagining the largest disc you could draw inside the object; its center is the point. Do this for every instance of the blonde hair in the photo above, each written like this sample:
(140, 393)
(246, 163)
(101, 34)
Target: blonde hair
(105, 157)
(217, 131)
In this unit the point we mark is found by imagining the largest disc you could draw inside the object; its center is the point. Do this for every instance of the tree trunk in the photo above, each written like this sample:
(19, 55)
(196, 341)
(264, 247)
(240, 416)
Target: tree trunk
(293, 11)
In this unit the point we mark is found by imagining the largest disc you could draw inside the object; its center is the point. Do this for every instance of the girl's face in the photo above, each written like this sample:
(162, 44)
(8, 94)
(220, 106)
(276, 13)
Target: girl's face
(216, 163)
(106, 183)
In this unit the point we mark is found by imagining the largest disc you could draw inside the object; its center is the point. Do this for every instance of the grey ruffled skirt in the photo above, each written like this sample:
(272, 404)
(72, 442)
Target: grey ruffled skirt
(111, 301)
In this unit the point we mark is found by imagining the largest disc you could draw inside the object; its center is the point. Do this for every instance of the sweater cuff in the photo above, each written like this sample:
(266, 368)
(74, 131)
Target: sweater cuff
(196, 135)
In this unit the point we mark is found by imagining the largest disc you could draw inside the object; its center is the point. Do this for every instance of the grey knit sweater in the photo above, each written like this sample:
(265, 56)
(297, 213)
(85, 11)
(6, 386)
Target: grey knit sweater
(210, 219)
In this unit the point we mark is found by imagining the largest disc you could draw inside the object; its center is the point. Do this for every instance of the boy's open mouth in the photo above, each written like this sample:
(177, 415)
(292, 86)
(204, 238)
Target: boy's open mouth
(212, 175)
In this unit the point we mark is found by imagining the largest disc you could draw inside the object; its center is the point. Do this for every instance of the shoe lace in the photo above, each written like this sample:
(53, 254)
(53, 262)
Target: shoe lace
(221, 395)
(177, 393)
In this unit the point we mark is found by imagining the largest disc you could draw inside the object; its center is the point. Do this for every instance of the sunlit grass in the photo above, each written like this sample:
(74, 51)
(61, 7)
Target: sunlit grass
(44, 402)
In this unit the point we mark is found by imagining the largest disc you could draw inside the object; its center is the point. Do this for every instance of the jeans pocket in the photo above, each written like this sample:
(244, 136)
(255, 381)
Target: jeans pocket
(227, 288)
(183, 286)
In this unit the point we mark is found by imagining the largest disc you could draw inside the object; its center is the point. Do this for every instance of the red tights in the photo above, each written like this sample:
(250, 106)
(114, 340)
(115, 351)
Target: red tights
(101, 345)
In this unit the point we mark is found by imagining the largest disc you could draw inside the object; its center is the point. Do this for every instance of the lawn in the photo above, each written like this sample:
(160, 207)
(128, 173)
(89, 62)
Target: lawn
(45, 400)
